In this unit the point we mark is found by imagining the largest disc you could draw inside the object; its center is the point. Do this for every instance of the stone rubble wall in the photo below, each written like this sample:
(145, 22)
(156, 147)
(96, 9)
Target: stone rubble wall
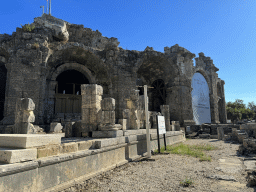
(31, 58)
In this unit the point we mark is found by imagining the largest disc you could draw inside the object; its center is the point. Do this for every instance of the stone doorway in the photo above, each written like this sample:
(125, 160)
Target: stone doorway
(158, 95)
(68, 92)
(3, 76)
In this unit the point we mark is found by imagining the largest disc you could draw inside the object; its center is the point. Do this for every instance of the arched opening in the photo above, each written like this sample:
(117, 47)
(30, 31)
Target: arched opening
(68, 91)
(200, 99)
(157, 95)
(3, 76)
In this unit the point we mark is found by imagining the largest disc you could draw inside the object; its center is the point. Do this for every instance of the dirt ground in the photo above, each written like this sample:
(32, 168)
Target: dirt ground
(225, 173)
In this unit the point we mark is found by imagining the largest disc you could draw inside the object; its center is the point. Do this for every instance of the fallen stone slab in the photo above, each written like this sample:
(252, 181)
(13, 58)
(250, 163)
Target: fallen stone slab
(24, 141)
(8, 155)
(222, 177)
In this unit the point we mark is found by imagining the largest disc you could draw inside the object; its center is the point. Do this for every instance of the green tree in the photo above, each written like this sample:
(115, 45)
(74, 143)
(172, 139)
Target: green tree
(237, 110)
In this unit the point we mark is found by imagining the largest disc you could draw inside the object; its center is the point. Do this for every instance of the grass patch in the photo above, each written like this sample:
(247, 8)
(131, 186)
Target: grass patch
(186, 182)
(191, 150)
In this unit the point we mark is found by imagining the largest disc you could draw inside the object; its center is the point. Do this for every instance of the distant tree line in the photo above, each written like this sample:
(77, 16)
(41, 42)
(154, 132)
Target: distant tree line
(237, 110)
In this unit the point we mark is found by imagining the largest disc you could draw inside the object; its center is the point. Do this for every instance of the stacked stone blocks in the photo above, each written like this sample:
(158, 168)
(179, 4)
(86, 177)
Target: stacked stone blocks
(24, 116)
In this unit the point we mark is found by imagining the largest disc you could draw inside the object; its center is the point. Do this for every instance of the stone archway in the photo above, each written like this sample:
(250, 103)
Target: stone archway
(200, 99)
(3, 76)
(68, 92)
(50, 106)
(157, 95)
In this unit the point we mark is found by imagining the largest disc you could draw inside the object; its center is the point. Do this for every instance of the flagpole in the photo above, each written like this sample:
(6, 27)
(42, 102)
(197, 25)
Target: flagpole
(47, 7)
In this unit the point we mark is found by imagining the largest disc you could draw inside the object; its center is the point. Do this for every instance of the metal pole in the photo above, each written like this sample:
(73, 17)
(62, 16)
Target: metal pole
(147, 122)
(43, 8)
(158, 138)
(50, 2)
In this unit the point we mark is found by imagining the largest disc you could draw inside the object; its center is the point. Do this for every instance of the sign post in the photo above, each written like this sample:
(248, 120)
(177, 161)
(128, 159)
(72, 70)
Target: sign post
(160, 130)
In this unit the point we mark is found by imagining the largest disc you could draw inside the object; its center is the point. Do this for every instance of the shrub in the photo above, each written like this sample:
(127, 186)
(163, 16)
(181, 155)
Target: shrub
(28, 27)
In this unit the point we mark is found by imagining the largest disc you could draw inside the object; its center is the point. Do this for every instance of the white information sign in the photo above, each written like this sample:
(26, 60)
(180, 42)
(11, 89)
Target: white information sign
(161, 125)
(200, 99)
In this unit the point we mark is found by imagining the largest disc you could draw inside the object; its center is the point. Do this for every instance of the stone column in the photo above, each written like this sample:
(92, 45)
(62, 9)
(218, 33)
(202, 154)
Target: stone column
(133, 106)
(220, 133)
(91, 106)
(24, 116)
(107, 121)
(166, 113)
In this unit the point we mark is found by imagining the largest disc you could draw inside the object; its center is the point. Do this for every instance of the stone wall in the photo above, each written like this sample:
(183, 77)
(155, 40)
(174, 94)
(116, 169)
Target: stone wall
(35, 59)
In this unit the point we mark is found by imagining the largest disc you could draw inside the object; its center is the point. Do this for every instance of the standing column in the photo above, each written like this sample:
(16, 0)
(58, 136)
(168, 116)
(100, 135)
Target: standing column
(91, 107)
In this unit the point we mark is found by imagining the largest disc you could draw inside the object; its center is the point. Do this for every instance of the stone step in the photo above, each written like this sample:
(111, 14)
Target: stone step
(9, 155)
(24, 141)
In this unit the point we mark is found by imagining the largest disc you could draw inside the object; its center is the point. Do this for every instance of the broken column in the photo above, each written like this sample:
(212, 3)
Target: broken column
(91, 107)
(108, 115)
(133, 105)
(166, 113)
(24, 116)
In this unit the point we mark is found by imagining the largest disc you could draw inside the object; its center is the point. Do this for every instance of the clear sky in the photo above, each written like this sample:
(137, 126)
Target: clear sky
(224, 30)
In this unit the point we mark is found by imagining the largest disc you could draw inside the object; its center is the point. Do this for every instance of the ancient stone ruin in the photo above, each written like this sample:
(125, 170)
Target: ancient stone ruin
(50, 63)
(72, 102)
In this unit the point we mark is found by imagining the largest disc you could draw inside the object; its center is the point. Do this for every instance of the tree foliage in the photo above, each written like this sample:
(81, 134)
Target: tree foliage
(237, 110)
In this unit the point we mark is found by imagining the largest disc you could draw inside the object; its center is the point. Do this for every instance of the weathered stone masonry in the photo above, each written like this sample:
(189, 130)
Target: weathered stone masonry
(32, 62)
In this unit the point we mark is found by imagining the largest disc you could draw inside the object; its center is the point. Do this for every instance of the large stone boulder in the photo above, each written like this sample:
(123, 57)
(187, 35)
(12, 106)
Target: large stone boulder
(59, 26)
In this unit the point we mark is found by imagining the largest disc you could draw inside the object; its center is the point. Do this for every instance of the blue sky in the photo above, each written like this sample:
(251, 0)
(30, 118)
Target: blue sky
(224, 30)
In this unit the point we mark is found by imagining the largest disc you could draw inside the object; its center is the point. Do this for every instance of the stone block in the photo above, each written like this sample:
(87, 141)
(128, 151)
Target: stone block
(108, 117)
(220, 132)
(27, 104)
(85, 145)
(105, 143)
(123, 122)
(108, 104)
(91, 101)
(110, 127)
(49, 150)
(85, 127)
(69, 129)
(26, 128)
(68, 147)
(29, 140)
(56, 127)
(126, 113)
(28, 117)
(8, 155)
(91, 89)
(107, 134)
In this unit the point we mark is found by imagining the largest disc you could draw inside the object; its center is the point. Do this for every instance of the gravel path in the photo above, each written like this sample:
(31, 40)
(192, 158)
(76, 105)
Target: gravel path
(166, 172)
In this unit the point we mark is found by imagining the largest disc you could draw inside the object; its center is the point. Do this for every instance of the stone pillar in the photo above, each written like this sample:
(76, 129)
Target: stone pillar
(223, 102)
(153, 116)
(175, 126)
(91, 106)
(220, 133)
(166, 113)
(24, 116)
(107, 121)
(133, 106)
